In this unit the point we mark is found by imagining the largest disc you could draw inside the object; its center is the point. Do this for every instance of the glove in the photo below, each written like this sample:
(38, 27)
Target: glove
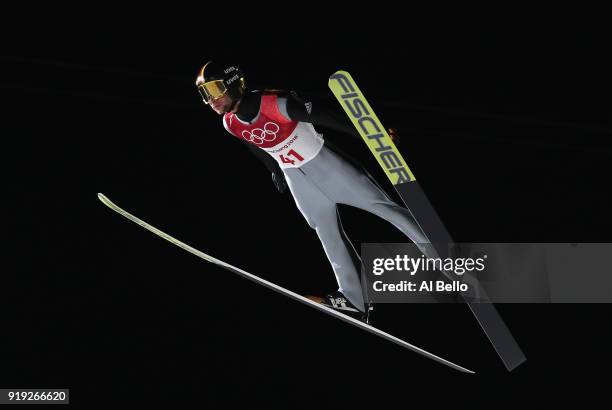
(394, 136)
(279, 181)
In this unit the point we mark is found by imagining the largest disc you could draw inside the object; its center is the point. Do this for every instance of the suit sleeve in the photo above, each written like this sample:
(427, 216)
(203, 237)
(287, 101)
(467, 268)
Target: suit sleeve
(318, 113)
(263, 156)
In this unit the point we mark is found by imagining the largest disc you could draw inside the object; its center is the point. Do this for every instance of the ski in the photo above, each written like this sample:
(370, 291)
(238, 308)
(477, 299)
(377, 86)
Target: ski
(279, 289)
(389, 158)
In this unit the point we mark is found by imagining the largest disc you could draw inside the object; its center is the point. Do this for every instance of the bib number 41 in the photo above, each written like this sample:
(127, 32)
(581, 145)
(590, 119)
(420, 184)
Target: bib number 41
(287, 160)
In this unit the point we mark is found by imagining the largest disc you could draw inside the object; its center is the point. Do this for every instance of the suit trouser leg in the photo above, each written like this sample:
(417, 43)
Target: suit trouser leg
(321, 214)
(348, 185)
(328, 180)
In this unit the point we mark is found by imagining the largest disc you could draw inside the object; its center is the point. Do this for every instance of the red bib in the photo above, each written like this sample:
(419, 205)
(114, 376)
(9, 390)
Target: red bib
(290, 143)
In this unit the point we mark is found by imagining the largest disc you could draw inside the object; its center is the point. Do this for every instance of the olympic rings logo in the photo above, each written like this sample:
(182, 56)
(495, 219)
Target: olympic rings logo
(259, 135)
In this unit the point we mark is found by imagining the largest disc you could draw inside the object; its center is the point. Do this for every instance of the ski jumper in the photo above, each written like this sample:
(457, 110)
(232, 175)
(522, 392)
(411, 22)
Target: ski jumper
(318, 179)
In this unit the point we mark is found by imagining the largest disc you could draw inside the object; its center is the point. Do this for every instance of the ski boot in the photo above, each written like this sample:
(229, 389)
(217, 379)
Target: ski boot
(340, 303)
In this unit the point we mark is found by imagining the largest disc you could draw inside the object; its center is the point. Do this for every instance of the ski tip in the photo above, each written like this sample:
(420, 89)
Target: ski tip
(457, 367)
(510, 366)
(104, 199)
(339, 73)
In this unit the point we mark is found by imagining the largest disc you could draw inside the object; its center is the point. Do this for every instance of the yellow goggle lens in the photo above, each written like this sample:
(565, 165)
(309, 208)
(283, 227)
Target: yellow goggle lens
(212, 90)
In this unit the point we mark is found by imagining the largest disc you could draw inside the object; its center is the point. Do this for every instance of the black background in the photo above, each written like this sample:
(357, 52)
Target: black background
(507, 133)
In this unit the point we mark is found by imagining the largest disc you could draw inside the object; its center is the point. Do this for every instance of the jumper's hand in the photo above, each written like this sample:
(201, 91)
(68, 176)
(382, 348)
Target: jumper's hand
(394, 136)
(279, 181)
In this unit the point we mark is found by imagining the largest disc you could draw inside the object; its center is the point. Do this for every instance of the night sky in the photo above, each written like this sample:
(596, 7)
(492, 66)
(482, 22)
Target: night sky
(508, 135)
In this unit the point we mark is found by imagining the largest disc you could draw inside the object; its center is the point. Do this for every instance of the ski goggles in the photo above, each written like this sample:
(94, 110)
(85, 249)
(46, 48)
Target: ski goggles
(212, 90)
